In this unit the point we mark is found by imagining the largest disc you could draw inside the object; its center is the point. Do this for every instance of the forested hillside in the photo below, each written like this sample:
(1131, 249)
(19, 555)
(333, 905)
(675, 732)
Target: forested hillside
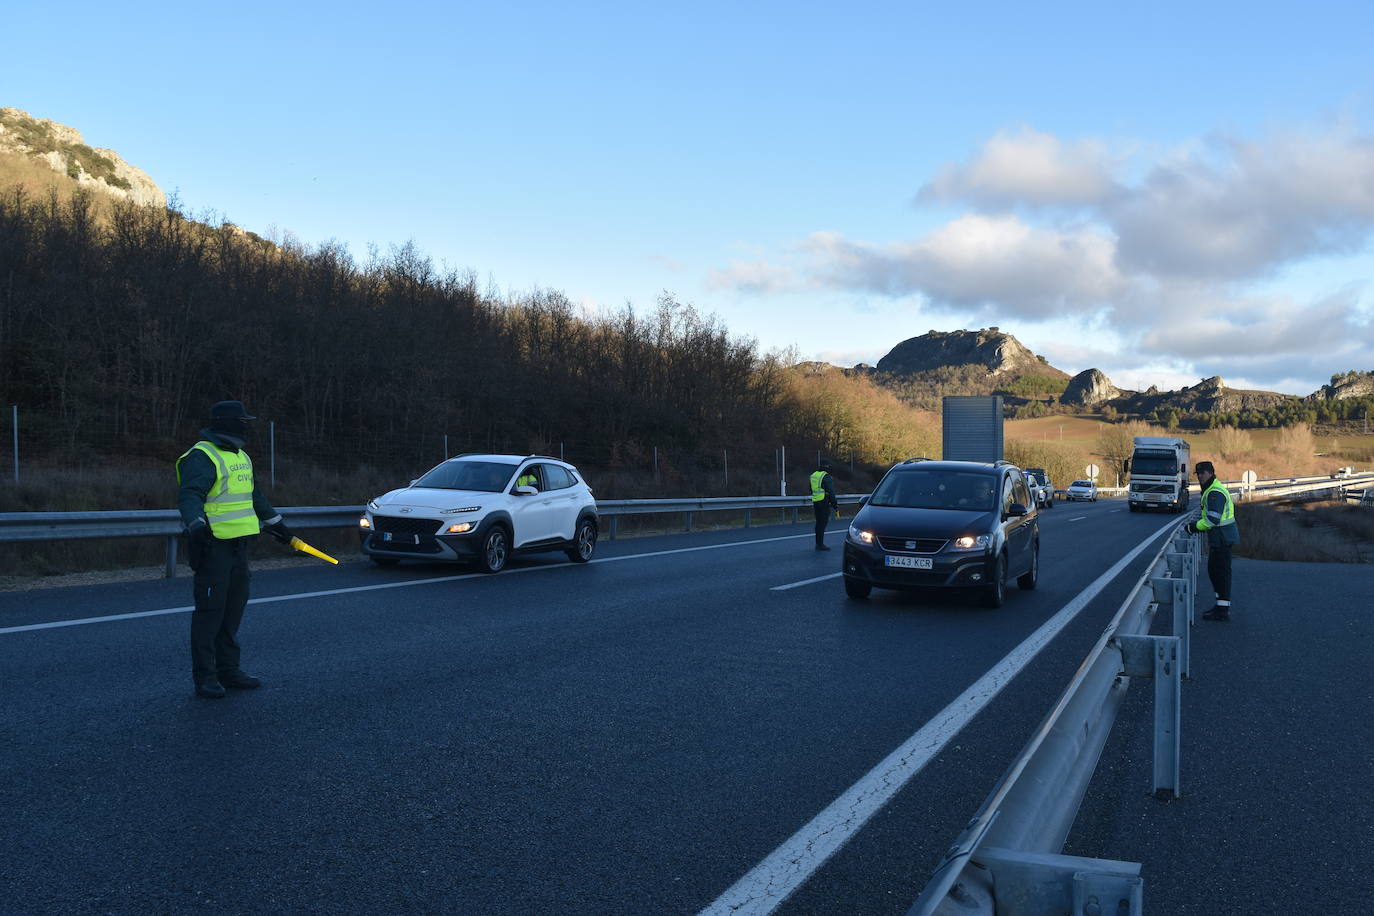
(120, 323)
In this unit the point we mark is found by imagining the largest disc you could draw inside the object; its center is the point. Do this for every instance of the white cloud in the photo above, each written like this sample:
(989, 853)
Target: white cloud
(977, 261)
(1027, 167)
(752, 277)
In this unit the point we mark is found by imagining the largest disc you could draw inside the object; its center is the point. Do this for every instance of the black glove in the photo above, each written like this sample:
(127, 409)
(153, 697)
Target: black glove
(279, 531)
(198, 537)
(1191, 527)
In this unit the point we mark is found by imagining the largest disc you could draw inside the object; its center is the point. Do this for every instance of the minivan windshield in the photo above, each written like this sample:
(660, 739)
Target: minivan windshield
(484, 476)
(931, 489)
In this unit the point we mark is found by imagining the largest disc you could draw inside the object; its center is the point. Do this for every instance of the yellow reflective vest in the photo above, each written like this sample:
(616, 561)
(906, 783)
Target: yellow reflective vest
(1228, 511)
(818, 491)
(229, 504)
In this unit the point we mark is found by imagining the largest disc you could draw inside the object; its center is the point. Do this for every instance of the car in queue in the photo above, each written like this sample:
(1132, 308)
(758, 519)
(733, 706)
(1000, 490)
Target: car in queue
(483, 509)
(1085, 490)
(1041, 486)
(945, 524)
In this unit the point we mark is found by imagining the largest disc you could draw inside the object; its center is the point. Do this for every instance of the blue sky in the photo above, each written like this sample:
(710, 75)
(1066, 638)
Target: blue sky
(1166, 192)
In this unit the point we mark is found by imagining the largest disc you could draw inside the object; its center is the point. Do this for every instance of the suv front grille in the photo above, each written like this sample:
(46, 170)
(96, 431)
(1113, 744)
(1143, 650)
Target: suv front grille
(407, 526)
(912, 545)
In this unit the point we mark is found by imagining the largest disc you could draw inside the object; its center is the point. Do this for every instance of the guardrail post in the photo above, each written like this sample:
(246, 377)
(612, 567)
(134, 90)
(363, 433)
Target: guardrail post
(614, 519)
(689, 520)
(1174, 593)
(794, 514)
(1158, 657)
(171, 570)
(1038, 882)
(748, 516)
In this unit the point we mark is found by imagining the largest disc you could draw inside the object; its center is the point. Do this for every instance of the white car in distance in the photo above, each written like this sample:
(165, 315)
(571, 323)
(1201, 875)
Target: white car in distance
(481, 509)
(1082, 489)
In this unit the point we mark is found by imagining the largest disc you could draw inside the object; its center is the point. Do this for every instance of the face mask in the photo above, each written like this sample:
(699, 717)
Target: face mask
(237, 429)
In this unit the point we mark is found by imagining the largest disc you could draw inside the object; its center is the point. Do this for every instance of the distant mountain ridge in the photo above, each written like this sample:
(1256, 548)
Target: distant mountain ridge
(30, 140)
(989, 360)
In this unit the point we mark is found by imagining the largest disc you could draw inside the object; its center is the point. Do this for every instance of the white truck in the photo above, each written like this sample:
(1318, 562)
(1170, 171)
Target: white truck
(1160, 467)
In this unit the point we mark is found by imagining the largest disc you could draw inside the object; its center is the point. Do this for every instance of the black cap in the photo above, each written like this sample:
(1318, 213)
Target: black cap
(823, 464)
(1205, 466)
(230, 410)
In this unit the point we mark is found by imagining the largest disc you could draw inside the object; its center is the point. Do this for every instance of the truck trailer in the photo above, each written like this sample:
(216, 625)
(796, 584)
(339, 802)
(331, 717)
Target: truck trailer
(1159, 470)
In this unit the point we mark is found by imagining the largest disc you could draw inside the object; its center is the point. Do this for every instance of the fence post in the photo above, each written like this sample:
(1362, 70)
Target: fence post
(446, 446)
(14, 417)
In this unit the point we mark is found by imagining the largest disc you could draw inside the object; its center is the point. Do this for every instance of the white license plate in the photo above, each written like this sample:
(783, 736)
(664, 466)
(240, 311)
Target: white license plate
(908, 562)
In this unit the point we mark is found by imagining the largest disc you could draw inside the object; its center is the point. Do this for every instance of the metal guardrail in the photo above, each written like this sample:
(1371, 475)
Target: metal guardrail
(1008, 860)
(166, 523)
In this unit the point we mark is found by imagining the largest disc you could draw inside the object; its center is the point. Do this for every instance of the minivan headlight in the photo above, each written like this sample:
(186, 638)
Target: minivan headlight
(860, 535)
(969, 542)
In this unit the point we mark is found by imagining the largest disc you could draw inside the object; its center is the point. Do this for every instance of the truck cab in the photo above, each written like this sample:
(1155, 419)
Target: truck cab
(1159, 473)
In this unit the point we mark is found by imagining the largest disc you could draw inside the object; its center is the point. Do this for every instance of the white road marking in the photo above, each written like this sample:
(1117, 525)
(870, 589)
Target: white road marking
(773, 880)
(54, 624)
(1113, 510)
(783, 588)
(1079, 519)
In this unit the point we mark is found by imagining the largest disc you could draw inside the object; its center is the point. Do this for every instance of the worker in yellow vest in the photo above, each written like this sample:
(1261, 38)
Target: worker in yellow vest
(223, 511)
(823, 499)
(1218, 520)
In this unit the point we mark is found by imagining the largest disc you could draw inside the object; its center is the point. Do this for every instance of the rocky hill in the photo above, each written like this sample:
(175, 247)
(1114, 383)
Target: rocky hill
(1003, 356)
(1346, 385)
(28, 141)
(1210, 395)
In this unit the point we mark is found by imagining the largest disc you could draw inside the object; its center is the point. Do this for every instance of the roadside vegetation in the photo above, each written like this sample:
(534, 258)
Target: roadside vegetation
(1316, 532)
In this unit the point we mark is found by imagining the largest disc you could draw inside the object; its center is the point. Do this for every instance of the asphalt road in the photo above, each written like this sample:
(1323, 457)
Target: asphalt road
(630, 736)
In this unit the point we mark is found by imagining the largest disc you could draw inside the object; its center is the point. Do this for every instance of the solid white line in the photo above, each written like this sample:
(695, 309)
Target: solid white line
(789, 866)
(54, 624)
(1079, 519)
(783, 588)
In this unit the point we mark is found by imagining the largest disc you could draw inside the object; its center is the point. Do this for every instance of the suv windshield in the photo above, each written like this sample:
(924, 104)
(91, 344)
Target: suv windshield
(937, 490)
(484, 476)
(1038, 474)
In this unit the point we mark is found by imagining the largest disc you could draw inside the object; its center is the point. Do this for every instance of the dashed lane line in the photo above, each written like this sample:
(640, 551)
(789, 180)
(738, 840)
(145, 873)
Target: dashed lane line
(765, 887)
(298, 596)
(783, 588)
(1078, 519)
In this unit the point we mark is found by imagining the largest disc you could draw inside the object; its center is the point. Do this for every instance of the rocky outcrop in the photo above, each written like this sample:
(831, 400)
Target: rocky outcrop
(63, 149)
(1346, 385)
(1089, 388)
(1001, 354)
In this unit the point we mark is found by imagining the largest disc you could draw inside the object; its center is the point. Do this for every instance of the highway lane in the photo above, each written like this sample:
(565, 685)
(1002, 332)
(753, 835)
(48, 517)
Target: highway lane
(630, 736)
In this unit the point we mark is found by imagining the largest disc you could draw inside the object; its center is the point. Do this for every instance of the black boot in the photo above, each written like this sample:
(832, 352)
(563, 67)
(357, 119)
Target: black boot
(1218, 612)
(210, 689)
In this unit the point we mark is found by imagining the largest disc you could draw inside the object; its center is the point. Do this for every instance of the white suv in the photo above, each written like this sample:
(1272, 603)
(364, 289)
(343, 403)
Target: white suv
(482, 508)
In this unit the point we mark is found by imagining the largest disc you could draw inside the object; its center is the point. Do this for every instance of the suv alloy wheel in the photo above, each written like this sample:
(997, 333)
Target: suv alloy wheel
(495, 548)
(584, 542)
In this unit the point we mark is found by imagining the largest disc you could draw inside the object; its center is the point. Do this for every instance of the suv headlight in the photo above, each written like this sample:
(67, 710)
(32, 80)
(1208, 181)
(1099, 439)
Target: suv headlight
(969, 542)
(860, 535)
(460, 528)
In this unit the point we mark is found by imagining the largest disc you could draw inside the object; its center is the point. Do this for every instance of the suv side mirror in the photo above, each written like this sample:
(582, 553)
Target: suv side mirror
(526, 490)
(1016, 510)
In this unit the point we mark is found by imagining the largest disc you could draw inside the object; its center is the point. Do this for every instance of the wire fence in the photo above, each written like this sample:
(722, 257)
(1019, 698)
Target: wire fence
(41, 451)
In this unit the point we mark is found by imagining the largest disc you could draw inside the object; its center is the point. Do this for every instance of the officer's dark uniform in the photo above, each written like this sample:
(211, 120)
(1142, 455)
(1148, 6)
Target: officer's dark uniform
(220, 564)
(823, 500)
(1218, 520)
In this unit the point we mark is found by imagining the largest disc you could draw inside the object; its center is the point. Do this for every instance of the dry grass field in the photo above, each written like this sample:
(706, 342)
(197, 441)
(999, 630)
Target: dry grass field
(1324, 532)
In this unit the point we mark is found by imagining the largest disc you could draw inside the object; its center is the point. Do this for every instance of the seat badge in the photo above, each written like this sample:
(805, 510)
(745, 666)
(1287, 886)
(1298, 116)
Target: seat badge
(910, 545)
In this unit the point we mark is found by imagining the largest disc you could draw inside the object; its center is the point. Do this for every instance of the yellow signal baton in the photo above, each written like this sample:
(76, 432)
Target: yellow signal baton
(303, 547)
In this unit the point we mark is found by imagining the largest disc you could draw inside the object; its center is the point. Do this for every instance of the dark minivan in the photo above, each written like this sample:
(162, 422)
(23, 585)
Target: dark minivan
(955, 524)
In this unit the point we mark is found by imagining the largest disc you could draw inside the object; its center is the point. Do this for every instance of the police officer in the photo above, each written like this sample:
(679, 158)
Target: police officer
(822, 499)
(1219, 521)
(223, 511)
